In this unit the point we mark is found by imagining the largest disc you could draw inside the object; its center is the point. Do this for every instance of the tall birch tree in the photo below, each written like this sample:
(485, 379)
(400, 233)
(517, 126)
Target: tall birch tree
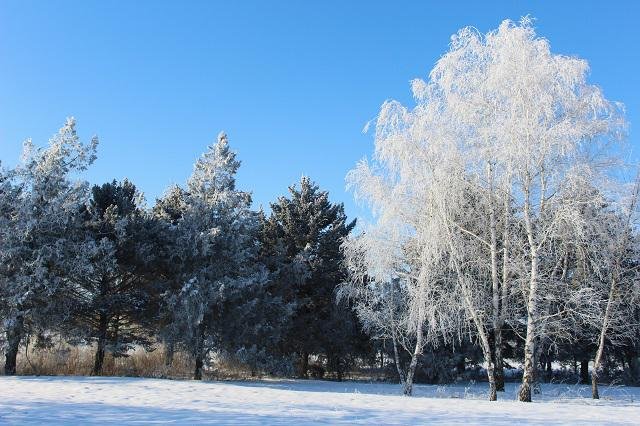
(516, 126)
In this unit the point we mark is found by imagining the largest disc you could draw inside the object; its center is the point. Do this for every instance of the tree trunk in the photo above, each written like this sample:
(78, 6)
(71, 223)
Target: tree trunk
(594, 385)
(14, 335)
(102, 343)
(304, 365)
(584, 371)
(488, 356)
(538, 368)
(601, 340)
(495, 296)
(170, 350)
(339, 372)
(632, 361)
(493, 395)
(524, 394)
(197, 373)
(408, 383)
(486, 352)
(594, 373)
(396, 357)
(199, 353)
(499, 362)
(504, 291)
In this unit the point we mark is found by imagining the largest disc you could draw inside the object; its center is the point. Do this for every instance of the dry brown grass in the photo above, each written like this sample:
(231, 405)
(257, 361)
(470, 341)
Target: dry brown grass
(66, 360)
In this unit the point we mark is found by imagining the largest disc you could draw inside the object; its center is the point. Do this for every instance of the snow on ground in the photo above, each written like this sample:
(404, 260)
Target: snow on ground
(115, 400)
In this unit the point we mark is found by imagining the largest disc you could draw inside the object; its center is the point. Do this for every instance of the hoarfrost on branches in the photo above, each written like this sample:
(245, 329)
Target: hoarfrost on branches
(478, 190)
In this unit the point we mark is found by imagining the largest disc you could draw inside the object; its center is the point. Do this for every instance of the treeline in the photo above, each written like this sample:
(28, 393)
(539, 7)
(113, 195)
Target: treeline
(199, 272)
(289, 293)
(504, 234)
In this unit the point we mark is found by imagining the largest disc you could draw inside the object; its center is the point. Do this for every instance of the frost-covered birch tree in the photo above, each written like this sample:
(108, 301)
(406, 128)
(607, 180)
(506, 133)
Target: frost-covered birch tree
(552, 124)
(402, 245)
(513, 126)
(612, 255)
(533, 122)
(382, 305)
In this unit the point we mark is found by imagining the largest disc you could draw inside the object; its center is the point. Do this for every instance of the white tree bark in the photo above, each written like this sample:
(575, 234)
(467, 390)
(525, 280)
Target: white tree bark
(524, 393)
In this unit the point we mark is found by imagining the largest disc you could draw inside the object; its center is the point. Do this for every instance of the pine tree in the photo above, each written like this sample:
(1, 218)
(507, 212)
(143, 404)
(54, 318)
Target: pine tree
(9, 193)
(216, 230)
(172, 266)
(35, 236)
(111, 273)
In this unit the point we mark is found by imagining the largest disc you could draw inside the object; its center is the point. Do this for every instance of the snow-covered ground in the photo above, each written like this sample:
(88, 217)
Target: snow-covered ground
(82, 400)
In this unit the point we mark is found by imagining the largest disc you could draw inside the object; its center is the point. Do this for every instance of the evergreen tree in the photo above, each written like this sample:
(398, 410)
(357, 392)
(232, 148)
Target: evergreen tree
(110, 274)
(215, 229)
(9, 193)
(171, 268)
(35, 235)
(302, 239)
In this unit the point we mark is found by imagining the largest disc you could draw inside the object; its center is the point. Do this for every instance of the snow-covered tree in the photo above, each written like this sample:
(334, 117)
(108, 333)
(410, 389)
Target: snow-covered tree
(611, 254)
(9, 194)
(400, 254)
(541, 120)
(507, 123)
(382, 307)
(217, 232)
(34, 243)
(111, 273)
(172, 266)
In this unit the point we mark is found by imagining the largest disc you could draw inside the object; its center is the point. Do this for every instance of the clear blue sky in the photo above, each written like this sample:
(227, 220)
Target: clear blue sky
(292, 83)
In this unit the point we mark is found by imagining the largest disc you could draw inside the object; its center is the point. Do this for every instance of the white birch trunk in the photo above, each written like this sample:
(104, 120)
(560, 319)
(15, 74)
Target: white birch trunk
(524, 393)
(396, 357)
(494, 360)
(601, 340)
(408, 383)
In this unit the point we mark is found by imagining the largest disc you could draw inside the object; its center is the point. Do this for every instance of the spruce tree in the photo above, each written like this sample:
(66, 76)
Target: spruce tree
(302, 239)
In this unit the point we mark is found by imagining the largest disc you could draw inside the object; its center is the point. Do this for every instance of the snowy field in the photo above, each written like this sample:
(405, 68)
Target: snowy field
(82, 400)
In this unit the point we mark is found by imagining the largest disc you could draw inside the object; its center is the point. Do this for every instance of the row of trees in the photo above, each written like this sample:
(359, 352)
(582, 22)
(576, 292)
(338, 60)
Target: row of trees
(498, 203)
(502, 229)
(200, 271)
